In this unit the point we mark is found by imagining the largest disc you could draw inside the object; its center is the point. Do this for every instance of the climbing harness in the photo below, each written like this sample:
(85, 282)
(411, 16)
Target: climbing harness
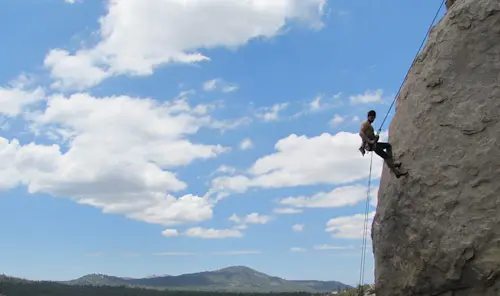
(367, 204)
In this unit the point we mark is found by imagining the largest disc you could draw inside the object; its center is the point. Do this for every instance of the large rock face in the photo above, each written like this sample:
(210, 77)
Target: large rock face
(437, 231)
(449, 3)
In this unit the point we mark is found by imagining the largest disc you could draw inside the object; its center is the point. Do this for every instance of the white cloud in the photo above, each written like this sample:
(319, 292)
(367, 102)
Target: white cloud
(240, 227)
(256, 218)
(73, 1)
(138, 36)
(271, 113)
(330, 247)
(214, 84)
(17, 95)
(297, 249)
(170, 232)
(287, 211)
(225, 169)
(210, 85)
(367, 97)
(315, 104)
(246, 144)
(336, 120)
(253, 218)
(228, 124)
(234, 218)
(10, 176)
(184, 95)
(211, 233)
(298, 227)
(350, 227)
(356, 119)
(76, 72)
(338, 197)
(230, 88)
(301, 161)
(206, 233)
(119, 157)
(320, 104)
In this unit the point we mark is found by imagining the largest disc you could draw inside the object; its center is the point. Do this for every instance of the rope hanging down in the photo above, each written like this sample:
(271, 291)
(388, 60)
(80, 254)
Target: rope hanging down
(365, 228)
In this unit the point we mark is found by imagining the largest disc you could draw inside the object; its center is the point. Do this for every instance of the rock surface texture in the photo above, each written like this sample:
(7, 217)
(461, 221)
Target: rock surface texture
(449, 3)
(437, 231)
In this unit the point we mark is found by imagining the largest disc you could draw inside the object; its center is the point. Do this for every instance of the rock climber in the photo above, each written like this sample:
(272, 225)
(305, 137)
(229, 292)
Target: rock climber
(370, 143)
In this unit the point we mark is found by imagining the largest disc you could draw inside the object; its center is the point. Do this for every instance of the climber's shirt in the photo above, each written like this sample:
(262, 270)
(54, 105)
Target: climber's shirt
(369, 132)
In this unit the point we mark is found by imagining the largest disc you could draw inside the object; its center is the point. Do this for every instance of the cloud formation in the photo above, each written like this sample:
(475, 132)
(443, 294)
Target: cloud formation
(301, 161)
(114, 153)
(136, 37)
(349, 227)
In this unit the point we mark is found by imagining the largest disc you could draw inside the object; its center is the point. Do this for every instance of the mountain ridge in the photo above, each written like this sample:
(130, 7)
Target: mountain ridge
(228, 279)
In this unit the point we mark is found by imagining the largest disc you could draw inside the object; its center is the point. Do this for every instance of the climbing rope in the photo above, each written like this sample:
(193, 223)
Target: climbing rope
(414, 60)
(365, 228)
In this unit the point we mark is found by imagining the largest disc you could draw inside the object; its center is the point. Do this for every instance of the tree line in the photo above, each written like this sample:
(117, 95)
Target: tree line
(24, 288)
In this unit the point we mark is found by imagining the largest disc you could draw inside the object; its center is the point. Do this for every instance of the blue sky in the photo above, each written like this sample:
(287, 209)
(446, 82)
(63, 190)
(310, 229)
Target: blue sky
(179, 137)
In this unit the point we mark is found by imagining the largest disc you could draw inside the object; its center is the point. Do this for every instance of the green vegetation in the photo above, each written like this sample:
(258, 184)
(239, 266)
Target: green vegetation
(25, 288)
(19, 287)
(355, 291)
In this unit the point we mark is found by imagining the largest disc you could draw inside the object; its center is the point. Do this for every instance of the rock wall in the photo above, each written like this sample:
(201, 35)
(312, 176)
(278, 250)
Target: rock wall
(437, 231)
(449, 3)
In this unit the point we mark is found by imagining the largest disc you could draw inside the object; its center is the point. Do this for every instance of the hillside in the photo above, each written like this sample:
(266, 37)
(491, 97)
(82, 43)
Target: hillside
(230, 279)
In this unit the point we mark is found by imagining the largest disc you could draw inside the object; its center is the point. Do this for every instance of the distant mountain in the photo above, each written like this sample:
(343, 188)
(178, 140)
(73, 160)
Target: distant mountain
(6, 278)
(99, 280)
(230, 279)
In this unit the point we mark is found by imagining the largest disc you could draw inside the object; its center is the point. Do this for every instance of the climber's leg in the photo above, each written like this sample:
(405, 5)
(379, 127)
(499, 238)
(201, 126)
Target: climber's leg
(388, 152)
(387, 156)
(381, 146)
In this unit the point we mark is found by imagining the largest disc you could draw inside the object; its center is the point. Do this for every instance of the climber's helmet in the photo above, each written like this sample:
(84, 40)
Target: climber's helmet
(371, 115)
